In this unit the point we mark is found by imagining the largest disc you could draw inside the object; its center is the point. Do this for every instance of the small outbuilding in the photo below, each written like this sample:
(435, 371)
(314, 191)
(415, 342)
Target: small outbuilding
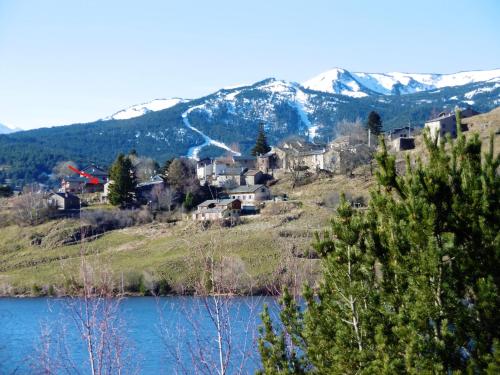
(253, 177)
(64, 201)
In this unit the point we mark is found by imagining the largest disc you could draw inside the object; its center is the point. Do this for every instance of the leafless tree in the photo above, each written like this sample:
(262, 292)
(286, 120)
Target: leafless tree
(162, 197)
(62, 169)
(30, 208)
(353, 130)
(144, 167)
(295, 268)
(347, 155)
(92, 306)
(211, 348)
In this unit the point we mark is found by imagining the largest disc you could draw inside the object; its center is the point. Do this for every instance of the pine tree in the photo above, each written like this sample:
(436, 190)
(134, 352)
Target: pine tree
(422, 265)
(122, 188)
(261, 147)
(374, 123)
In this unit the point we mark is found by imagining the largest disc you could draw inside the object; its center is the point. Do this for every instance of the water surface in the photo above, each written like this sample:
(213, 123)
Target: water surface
(165, 335)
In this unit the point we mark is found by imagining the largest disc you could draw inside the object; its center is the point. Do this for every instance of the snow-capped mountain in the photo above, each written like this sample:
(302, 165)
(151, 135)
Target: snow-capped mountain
(227, 121)
(141, 109)
(343, 82)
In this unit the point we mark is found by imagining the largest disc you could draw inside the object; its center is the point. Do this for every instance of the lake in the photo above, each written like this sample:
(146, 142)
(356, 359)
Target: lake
(149, 335)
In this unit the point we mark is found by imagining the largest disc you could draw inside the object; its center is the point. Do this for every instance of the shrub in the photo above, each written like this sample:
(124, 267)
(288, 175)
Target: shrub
(104, 220)
(279, 208)
(36, 290)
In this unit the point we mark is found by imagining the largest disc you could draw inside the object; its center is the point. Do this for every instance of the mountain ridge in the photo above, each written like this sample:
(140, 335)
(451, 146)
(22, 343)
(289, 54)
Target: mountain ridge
(225, 121)
(361, 84)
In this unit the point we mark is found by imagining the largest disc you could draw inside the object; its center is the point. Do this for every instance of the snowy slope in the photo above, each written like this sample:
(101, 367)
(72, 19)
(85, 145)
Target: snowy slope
(337, 81)
(4, 129)
(341, 81)
(141, 109)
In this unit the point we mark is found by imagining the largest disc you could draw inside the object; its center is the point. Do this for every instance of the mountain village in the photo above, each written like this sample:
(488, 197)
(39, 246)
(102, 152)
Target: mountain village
(238, 185)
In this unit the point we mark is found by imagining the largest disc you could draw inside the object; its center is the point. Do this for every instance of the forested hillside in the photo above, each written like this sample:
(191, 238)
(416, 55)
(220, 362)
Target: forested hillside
(230, 116)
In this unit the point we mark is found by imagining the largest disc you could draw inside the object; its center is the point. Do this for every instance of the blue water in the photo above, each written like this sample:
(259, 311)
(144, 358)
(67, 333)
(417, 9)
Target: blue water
(158, 336)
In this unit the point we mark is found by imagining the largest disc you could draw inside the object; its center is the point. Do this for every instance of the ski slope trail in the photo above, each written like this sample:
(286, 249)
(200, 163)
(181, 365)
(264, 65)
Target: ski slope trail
(194, 151)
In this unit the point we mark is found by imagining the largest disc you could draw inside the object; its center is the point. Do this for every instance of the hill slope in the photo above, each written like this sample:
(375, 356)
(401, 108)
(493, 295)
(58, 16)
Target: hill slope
(225, 120)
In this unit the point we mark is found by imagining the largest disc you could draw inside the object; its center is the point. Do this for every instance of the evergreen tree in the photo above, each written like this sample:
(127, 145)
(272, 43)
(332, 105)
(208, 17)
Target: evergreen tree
(261, 147)
(417, 274)
(374, 123)
(5, 191)
(121, 190)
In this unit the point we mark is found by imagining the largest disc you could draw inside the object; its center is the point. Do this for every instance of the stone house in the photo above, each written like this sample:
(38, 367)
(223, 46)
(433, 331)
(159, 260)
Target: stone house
(244, 161)
(144, 189)
(218, 209)
(81, 184)
(400, 139)
(208, 170)
(229, 180)
(403, 143)
(253, 177)
(268, 162)
(298, 152)
(63, 201)
(251, 194)
(446, 123)
(72, 184)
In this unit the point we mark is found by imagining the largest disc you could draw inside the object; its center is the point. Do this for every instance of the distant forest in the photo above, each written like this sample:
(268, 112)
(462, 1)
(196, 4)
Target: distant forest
(31, 155)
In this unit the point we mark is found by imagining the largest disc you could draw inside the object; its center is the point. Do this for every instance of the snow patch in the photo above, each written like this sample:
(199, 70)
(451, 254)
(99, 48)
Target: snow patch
(141, 109)
(473, 93)
(340, 81)
(194, 151)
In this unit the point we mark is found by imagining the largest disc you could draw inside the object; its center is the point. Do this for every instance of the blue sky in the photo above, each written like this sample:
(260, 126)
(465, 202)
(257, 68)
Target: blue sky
(75, 61)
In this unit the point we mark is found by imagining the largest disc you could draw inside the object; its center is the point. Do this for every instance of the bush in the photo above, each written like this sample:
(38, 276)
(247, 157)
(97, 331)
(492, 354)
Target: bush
(279, 208)
(104, 220)
(332, 200)
(5, 191)
(36, 290)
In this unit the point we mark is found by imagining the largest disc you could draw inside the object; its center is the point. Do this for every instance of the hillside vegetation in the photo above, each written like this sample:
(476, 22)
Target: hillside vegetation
(263, 253)
(231, 116)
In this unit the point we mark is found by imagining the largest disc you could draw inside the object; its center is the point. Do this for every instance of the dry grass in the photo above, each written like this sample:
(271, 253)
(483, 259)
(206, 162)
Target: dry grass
(265, 246)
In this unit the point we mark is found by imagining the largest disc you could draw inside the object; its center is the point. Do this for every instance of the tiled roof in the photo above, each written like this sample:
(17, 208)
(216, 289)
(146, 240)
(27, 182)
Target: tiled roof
(252, 172)
(221, 202)
(246, 189)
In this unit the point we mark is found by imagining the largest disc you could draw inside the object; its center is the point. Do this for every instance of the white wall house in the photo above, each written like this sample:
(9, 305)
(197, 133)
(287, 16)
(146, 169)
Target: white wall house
(250, 194)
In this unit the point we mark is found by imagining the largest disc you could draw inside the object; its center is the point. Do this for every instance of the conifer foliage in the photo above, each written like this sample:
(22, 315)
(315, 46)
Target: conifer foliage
(409, 286)
(261, 146)
(122, 188)
(374, 123)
